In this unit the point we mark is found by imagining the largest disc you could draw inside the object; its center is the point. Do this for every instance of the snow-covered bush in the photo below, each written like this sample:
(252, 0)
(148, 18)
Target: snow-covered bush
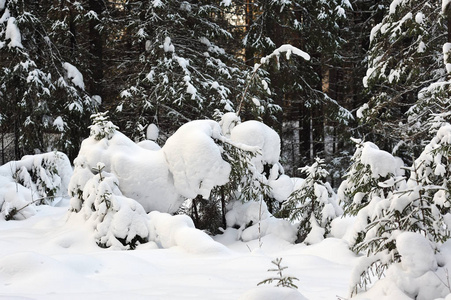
(35, 179)
(313, 204)
(253, 221)
(420, 205)
(417, 275)
(252, 149)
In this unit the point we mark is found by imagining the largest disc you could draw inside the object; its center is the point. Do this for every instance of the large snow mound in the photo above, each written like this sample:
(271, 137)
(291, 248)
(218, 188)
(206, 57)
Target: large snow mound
(195, 160)
(143, 174)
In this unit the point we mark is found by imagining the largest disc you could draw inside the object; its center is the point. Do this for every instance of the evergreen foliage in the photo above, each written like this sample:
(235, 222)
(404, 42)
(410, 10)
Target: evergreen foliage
(403, 59)
(313, 204)
(42, 96)
(181, 71)
(283, 281)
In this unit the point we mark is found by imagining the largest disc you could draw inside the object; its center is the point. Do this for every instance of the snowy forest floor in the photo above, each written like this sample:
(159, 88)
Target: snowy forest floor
(49, 257)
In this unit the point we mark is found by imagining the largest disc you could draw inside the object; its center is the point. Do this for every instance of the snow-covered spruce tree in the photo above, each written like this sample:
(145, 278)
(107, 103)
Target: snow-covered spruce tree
(404, 57)
(313, 205)
(181, 71)
(366, 193)
(432, 109)
(43, 96)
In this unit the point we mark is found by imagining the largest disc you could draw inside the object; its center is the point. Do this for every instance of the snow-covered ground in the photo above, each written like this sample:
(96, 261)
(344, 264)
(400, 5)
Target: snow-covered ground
(53, 256)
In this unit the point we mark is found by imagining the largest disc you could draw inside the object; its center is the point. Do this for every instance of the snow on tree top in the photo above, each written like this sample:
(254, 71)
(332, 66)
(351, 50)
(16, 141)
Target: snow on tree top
(74, 75)
(13, 33)
(381, 162)
(254, 133)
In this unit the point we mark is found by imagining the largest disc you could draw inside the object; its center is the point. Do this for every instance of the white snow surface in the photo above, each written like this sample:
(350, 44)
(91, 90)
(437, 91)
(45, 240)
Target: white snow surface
(49, 256)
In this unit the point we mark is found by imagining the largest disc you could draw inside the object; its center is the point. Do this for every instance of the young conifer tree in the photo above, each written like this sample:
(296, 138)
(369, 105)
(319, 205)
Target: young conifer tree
(313, 204)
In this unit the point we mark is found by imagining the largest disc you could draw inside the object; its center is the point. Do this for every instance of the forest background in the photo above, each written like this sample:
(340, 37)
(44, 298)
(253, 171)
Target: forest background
(376, 72)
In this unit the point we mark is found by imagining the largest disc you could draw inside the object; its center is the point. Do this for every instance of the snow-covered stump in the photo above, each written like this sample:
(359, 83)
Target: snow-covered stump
(33, 180)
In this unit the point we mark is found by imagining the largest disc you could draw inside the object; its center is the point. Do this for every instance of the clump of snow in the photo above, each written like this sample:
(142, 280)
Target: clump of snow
(226, 2)
(446, 53)
(170, 231)
(257, 134)
(381, 162)
(194, 159)
(59, 124)
(254, 221)
(419, 18)
(13, 34)
(417, 254)
(288, 50)
(393, 6)
(167, 45)
(281, 187)
(361, 110)
(74, 75)
(246, 214)
(152, 132)
(228, 122)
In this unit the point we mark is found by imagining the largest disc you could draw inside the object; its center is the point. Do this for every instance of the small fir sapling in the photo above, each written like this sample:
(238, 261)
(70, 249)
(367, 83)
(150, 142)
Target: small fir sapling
(119, 222)
(282, 281)
(101, 126)
(313, 205)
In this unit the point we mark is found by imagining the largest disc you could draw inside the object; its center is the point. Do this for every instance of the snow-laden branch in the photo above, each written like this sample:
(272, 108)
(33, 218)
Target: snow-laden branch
(288, 49)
